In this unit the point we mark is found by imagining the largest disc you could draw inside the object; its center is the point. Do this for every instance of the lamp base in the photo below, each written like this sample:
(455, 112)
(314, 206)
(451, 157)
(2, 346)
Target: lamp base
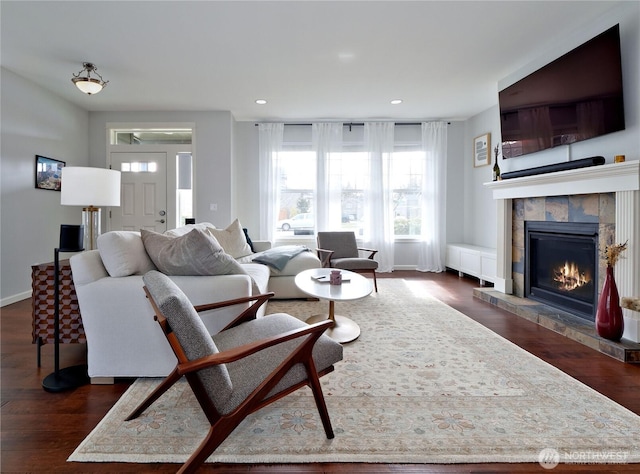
(66, 379)
(92, 221)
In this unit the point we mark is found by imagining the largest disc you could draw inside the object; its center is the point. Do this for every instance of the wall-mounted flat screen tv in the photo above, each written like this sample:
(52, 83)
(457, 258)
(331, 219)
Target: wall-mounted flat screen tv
(576, 97)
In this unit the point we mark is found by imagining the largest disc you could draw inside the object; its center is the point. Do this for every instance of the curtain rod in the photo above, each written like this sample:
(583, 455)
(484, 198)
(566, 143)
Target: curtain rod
(346, 124)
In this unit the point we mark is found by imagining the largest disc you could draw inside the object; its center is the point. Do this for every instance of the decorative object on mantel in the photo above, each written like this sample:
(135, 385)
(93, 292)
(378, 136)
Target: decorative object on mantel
(496, 167)
(632, 303)
(568, 165)
(481, 147)
(609, 320)
(619, 159)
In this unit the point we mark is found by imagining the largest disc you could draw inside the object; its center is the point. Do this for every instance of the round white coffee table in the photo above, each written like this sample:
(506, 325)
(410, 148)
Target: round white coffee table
(357, 287)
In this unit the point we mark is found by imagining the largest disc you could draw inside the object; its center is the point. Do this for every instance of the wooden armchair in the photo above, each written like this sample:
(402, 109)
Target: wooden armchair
(245, 367)
(340, 250)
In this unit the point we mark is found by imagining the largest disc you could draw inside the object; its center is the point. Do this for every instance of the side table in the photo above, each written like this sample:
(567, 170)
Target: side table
(42, 302)
(357, 287)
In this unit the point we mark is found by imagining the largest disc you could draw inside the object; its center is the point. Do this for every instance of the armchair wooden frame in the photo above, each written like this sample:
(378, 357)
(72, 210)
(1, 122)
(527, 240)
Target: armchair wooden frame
(223, 424)
(325, 260)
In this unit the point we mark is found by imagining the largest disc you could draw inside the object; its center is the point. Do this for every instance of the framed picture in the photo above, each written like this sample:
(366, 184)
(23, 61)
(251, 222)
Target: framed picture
(49, 173)
(481, 150)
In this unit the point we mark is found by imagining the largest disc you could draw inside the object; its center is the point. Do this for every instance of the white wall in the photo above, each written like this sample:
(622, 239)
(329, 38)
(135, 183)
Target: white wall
(34, 122)
(479, 208)
(480, 211)
(246, 176)
(456, 167)
(625, 142)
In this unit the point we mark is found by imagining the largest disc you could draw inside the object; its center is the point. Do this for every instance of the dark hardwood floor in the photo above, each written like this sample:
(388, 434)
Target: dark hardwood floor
(39, 430)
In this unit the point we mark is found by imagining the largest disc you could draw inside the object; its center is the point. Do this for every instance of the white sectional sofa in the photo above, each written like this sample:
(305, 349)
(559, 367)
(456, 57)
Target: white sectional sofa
(123, 340)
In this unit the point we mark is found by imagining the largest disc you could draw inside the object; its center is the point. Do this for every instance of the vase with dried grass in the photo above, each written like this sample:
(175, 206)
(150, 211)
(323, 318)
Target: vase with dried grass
(609, 320)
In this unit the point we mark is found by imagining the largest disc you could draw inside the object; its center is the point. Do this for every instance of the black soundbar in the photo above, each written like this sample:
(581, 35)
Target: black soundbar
(569, 165)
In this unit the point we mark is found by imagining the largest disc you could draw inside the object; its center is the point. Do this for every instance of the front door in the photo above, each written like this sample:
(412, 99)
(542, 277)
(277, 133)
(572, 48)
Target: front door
(144, 191)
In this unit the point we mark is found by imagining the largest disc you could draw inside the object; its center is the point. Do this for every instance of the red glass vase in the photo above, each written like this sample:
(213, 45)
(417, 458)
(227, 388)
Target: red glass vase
(609, 320)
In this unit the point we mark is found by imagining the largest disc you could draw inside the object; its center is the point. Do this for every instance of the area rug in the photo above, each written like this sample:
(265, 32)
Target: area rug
(422, 384)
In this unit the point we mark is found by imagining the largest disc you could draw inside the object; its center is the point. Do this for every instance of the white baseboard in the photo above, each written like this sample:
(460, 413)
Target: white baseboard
(15, 298)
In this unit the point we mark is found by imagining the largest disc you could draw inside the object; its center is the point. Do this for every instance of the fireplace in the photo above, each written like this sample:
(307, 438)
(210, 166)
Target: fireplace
(561, 265)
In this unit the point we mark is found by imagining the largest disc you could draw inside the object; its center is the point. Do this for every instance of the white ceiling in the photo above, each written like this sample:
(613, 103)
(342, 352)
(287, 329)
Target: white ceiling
(342, 60)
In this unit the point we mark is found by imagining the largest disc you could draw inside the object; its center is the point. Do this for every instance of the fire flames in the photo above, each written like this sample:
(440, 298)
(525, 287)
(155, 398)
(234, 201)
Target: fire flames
(570, 277)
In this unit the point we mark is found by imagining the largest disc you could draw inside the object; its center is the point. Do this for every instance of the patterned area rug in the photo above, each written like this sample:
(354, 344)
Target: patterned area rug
(422, 384)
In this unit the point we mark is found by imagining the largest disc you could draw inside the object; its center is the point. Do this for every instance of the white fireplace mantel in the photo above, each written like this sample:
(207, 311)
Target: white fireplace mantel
(594, 179)
(623, 179)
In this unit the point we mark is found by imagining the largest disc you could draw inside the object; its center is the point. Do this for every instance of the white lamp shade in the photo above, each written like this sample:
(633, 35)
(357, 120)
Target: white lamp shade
(90, 187)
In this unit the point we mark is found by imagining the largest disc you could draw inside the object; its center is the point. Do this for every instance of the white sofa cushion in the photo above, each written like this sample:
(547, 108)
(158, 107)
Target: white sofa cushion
(195, 253)
(232, 239)
(185, 229)
(123, 254)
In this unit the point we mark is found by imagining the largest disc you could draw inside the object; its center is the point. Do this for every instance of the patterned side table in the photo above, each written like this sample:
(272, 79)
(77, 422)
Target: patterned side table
(42, 301)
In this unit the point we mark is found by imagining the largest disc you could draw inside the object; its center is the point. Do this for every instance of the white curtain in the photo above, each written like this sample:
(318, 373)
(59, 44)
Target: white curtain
(378, 234)
(270, 145)
(434, 145)
(327, 139)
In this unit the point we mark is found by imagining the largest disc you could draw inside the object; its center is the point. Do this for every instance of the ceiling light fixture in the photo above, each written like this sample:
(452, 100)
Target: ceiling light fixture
(87, 84)
(396, 101)
(261, 101)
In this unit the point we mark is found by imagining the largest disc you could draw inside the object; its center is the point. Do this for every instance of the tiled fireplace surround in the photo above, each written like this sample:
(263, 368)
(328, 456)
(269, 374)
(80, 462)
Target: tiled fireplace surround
(608, 195)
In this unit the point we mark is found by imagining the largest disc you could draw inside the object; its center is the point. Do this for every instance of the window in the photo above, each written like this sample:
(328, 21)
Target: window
(406, 182)
(139, 167)
(151, 137)
(350, 173)
(348, 184)
(296, 172)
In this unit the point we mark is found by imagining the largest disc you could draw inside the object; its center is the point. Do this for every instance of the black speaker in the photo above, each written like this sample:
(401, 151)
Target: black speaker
(71, 238)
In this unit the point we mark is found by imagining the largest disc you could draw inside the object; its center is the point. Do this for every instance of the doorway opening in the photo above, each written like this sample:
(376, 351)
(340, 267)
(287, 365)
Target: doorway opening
(157, 167)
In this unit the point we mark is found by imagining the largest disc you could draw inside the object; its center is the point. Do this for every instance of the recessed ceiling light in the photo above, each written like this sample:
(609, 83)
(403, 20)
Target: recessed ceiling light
(396, 101)
(346, 57)
(261, 101)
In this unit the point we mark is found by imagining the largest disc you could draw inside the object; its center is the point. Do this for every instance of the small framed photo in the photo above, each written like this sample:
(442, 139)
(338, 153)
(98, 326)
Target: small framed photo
(49, 173)
(481, 150)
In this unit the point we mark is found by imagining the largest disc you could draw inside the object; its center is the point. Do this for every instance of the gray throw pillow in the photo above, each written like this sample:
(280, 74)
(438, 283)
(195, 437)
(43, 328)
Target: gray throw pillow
(195, 253)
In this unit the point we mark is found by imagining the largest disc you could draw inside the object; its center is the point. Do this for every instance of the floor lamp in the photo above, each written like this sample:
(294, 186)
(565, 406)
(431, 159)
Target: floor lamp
(90, 188)
(71, 240)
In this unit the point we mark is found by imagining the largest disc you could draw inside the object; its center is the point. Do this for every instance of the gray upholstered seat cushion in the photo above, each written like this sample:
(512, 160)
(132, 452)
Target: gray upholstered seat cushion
(248, 373)
(191, 333)
(354, 263)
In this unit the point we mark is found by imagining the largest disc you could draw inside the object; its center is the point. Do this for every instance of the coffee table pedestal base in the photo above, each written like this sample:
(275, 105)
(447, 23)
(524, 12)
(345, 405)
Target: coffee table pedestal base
(344, 329)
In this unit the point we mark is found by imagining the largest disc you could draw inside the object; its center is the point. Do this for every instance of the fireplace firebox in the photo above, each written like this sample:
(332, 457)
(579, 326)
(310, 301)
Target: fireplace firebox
(561, 265)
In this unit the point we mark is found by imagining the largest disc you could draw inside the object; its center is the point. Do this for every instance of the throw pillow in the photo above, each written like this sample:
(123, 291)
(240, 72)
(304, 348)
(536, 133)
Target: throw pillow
(123, 253)
(232, 239)
(246, 235)
(185, 229)
(195, 253)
